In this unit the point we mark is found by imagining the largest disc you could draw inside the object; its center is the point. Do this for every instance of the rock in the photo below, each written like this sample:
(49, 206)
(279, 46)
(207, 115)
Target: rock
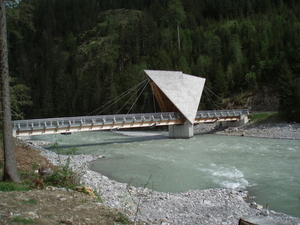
(31, 215)
(165, 223)
(69, 222)
(50, 188)
(256, 206)
(207, 202)
(87, 190)
(259, 207)
(256, 220)
(45, 171)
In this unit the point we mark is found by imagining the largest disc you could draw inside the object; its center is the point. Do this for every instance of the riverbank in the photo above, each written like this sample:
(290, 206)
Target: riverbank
(212, 206)
(289, 131)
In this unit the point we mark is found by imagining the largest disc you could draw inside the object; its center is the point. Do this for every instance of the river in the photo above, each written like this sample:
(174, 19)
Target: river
(268, 168)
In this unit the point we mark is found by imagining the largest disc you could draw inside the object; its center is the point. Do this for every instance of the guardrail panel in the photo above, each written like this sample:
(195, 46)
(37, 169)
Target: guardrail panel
(142, 118)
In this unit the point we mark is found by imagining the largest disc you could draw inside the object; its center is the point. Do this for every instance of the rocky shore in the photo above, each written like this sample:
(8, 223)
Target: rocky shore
(289, 131)
(213, 206)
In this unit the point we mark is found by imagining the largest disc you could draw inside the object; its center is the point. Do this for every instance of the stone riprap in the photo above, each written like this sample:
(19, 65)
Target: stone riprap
(212, 206)
(289, 131)
(278, 131)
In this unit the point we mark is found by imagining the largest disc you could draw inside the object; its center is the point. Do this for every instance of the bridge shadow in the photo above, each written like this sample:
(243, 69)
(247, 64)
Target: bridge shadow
(114, 141)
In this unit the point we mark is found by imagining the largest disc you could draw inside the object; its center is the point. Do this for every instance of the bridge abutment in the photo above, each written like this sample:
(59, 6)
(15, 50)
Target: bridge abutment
(185, 130)
(242, 121)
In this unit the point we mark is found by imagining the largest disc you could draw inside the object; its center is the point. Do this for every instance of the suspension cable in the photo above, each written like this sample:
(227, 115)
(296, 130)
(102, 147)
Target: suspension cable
(138, 97)
(136, 87)
(153, 97)
(116, 99)
(213, 93)
(145, 100)
(145, 83)
(217, 96)
(210, 101)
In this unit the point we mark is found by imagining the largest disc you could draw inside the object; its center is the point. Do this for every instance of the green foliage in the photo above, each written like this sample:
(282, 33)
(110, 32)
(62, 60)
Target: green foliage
(12, 186)
(81, 55)
(62, 178)
(98, 197)
(29, 201)
(21, 220)
(289, 94)
(121, 218)
(239, 100)
(20, 99)
(265, 117)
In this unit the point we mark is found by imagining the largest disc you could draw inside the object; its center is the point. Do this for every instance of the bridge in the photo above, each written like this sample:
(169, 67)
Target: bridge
(111, 122)
(178, 95)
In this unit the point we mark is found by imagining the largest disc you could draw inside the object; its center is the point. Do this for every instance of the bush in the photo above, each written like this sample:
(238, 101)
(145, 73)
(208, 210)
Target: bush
(62, 178)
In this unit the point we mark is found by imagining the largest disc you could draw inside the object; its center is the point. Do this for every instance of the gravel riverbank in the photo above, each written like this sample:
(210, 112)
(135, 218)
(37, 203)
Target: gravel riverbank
(289, 131)
(213, 206)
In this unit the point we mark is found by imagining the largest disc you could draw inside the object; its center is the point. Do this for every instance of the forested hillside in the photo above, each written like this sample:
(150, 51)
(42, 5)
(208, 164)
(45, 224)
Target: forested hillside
(76, 55)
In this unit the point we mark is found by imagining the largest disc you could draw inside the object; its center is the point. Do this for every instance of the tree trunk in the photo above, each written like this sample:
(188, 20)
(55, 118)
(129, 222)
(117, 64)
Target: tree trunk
(10, 166)
(178, 36)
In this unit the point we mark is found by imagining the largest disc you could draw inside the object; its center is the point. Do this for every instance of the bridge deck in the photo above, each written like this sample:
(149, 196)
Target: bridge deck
(119, 121)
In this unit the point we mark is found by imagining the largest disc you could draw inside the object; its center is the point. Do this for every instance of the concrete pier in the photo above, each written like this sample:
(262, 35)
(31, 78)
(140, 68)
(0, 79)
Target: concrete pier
(185, 130)
(242, 121)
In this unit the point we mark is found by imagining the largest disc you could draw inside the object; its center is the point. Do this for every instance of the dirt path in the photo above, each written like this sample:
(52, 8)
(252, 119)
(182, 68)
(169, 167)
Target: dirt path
(54, 206)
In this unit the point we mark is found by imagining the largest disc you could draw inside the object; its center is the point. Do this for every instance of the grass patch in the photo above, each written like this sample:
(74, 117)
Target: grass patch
(6, 186)
(29, 201)
(23, 220)
(64, 178)
(121, 218)
(267, 117)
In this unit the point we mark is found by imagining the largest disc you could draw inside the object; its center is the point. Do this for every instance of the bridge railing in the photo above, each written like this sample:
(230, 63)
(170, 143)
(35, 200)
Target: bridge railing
(92, 120)
(52, 123)
(222, 113)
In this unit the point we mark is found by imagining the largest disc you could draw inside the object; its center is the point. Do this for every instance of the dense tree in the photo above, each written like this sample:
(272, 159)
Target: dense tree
(176, 14)
(78, 55)
(289, 94)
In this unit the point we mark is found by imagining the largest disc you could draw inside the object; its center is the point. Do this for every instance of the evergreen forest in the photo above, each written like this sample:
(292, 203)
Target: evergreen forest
(69, 57)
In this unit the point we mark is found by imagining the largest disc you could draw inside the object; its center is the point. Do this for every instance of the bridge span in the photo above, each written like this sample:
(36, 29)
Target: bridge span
(178, 95)
(120, 121)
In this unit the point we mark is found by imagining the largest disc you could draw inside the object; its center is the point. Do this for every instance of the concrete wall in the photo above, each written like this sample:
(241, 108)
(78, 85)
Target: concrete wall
(242, 121)
(185, 130)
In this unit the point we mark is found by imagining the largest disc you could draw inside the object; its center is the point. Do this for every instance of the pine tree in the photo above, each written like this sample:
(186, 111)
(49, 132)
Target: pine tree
(289, 94)
(176, 14)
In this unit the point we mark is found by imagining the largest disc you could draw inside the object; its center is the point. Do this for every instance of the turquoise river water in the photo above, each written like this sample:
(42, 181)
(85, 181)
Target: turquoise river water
(268, 168)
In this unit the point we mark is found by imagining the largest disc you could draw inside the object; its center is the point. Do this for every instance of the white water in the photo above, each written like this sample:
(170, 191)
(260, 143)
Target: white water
(268, 168)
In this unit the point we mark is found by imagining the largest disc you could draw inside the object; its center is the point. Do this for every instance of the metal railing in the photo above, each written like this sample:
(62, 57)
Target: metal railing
(101, 120)
(91, 120)
(222, 113)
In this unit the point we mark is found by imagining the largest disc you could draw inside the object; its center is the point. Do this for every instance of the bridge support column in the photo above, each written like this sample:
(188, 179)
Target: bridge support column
(242, 121)
(14, 133)
(185, 130)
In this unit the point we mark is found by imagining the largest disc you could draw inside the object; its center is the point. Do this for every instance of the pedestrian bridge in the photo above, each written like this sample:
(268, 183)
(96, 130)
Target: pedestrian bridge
(178, 96)
(66, 125)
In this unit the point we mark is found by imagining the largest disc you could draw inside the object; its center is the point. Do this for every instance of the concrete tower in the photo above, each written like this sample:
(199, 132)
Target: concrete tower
(177, 92)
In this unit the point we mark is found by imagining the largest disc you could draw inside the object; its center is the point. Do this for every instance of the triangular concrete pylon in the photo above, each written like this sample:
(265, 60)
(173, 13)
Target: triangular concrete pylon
(183, 91)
